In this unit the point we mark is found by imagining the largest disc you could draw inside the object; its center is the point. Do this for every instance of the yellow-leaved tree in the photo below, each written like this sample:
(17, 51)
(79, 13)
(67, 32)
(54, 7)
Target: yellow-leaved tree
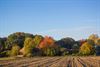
(87, 49)
(27, 50)
(15, 50)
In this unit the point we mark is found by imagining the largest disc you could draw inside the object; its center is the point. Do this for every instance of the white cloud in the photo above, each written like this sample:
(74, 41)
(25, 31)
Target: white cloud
(76, 33)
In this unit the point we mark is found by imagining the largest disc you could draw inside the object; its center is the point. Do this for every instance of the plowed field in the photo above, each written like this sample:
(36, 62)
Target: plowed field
(67, 61)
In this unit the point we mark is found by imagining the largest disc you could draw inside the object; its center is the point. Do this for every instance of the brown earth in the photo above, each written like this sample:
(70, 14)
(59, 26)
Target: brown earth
(67, 61)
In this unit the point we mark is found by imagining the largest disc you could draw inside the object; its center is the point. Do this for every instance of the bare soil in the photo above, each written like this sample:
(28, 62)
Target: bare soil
(61, 61)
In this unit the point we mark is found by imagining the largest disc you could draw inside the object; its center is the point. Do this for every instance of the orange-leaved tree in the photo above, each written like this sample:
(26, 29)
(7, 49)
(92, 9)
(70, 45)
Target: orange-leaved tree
(47, 42)
(48, 47)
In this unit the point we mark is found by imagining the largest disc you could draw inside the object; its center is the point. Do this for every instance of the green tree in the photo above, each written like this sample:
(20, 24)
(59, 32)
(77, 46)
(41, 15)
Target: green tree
(75, 48)
(15, 38)
(66, 43)
(28, 35)
(2, 44)
(64, 51)
(2, 47)
(49, 51)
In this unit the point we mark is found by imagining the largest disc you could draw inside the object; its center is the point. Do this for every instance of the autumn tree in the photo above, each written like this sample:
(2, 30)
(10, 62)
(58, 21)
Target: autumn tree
(37, 40)
(90, 42)
(28, 47)
(97, 42)
(46, 42)
(48, 47)
(86, 49)
(15, 50)
(80, 42)
(93, 37)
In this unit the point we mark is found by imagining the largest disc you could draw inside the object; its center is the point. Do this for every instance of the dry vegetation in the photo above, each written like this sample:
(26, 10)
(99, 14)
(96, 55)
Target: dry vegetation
(67, 61)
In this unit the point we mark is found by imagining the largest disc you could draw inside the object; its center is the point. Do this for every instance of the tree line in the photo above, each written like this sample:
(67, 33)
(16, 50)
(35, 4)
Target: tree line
(29, 45)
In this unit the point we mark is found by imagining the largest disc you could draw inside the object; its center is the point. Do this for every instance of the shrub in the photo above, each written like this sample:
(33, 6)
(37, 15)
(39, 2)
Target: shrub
(3, 54)
(64, 51)
(97, 50)
(50, 51)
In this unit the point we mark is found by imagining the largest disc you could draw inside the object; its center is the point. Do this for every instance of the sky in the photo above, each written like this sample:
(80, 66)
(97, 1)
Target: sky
(56, 18)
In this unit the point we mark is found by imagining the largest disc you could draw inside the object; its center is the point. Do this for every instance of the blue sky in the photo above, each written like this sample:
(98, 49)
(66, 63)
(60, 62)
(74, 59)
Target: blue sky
(57, 18)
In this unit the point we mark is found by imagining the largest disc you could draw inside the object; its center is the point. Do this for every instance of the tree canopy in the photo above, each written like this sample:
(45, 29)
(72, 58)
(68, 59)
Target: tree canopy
(29, 45)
